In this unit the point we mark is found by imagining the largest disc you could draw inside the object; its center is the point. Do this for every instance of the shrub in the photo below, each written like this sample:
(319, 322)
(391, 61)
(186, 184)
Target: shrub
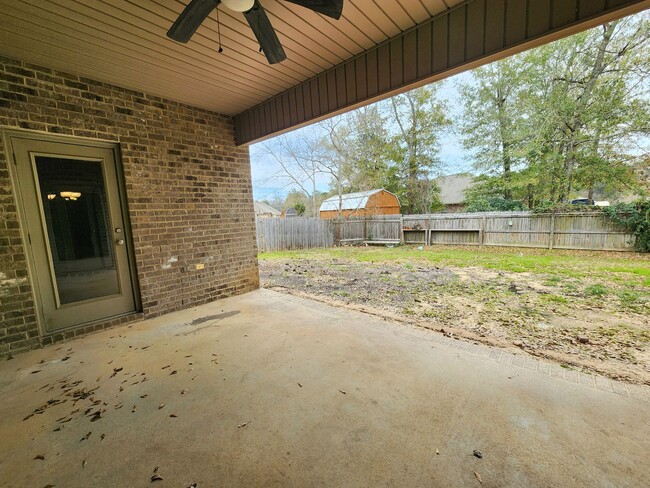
(635, 219)
(550, 207)
(494, 204)
(300, 209)
(544, 206)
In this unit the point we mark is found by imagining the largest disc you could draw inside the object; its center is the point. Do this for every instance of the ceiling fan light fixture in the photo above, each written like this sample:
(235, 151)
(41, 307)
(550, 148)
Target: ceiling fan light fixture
(197, 11)
(239, 5)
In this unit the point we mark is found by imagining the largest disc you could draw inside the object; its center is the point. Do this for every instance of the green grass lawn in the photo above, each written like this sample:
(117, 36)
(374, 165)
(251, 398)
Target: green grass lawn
(621, 268)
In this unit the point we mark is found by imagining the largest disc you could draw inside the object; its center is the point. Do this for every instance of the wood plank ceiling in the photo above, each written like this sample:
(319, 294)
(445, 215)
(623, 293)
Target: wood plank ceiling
(123, 42)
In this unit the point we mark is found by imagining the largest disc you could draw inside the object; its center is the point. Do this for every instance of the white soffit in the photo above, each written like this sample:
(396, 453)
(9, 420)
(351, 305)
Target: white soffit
(124, 42)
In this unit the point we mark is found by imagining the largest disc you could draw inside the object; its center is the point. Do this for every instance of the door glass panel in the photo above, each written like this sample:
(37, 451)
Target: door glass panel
(78, 226)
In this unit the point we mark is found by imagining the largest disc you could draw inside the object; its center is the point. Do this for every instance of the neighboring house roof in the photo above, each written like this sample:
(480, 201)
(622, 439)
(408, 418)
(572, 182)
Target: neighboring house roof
(452, 188)
(262, 208)
(290, 212)
(350, 201)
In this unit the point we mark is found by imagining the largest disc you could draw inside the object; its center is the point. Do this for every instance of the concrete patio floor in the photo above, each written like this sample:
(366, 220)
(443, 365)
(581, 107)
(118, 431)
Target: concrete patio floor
(272, 390)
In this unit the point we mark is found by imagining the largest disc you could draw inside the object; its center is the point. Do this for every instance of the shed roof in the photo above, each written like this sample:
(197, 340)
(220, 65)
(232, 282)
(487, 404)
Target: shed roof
(351, 201)
(265, 208)
(453, 187)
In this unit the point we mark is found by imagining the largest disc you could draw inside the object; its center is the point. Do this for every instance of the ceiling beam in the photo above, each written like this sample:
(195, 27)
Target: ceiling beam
(471, 34)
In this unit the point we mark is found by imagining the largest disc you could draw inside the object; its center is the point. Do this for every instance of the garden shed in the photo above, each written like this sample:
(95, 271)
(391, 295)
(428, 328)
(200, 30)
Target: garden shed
(360, 204)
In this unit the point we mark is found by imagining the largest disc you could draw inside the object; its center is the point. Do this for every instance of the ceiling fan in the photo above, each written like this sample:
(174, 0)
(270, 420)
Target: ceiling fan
(197, 11)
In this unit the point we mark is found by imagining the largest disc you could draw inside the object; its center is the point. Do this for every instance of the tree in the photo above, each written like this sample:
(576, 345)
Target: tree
(590, 106)
(368, 149)
(420, 119)
(392, 144)
(295, 199)
(494, 122)
(335, 154)
(569, 116)
(299, 161)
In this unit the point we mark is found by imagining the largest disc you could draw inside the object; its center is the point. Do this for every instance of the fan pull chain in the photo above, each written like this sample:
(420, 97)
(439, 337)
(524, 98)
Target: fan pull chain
(219, 31)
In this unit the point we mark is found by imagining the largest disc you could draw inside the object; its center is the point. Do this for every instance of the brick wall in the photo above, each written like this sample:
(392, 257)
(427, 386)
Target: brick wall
(188, 190)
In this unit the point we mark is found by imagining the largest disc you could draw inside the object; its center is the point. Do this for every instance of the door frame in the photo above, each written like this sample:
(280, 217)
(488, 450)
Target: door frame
(7, 135)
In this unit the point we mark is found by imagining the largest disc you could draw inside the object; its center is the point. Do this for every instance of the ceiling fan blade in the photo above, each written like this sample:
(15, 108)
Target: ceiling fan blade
(190, 19)
(331, 8)
(265, 34)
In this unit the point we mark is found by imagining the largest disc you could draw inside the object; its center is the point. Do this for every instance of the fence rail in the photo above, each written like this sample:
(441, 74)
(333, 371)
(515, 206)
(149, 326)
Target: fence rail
(588, 231)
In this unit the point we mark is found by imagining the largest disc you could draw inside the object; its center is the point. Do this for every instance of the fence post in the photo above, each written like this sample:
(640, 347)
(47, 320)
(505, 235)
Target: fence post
(337, 231)
(365, 228)
(551, 236)
(401, 229)
(483, 227)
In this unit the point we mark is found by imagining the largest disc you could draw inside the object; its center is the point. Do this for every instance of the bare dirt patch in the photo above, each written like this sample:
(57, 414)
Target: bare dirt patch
(599, 323)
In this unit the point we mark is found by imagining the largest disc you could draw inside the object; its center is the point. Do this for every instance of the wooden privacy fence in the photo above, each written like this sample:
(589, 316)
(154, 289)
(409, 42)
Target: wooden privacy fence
(578, 230)
(589, 231)
(293, 233)
(378, 229)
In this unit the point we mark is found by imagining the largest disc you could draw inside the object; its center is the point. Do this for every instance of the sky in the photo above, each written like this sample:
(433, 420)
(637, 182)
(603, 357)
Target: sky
(267, 186)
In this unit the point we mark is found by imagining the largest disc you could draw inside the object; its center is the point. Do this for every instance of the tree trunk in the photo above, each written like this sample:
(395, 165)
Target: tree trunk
(507, 173)
(505, 144)
(313, 198)
(339, 192)
(569, 167)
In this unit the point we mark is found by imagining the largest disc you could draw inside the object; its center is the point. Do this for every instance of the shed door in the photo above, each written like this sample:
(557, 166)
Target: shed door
(69, 195)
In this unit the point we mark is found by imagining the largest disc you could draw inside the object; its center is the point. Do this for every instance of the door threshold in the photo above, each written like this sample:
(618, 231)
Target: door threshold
(90, 327)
